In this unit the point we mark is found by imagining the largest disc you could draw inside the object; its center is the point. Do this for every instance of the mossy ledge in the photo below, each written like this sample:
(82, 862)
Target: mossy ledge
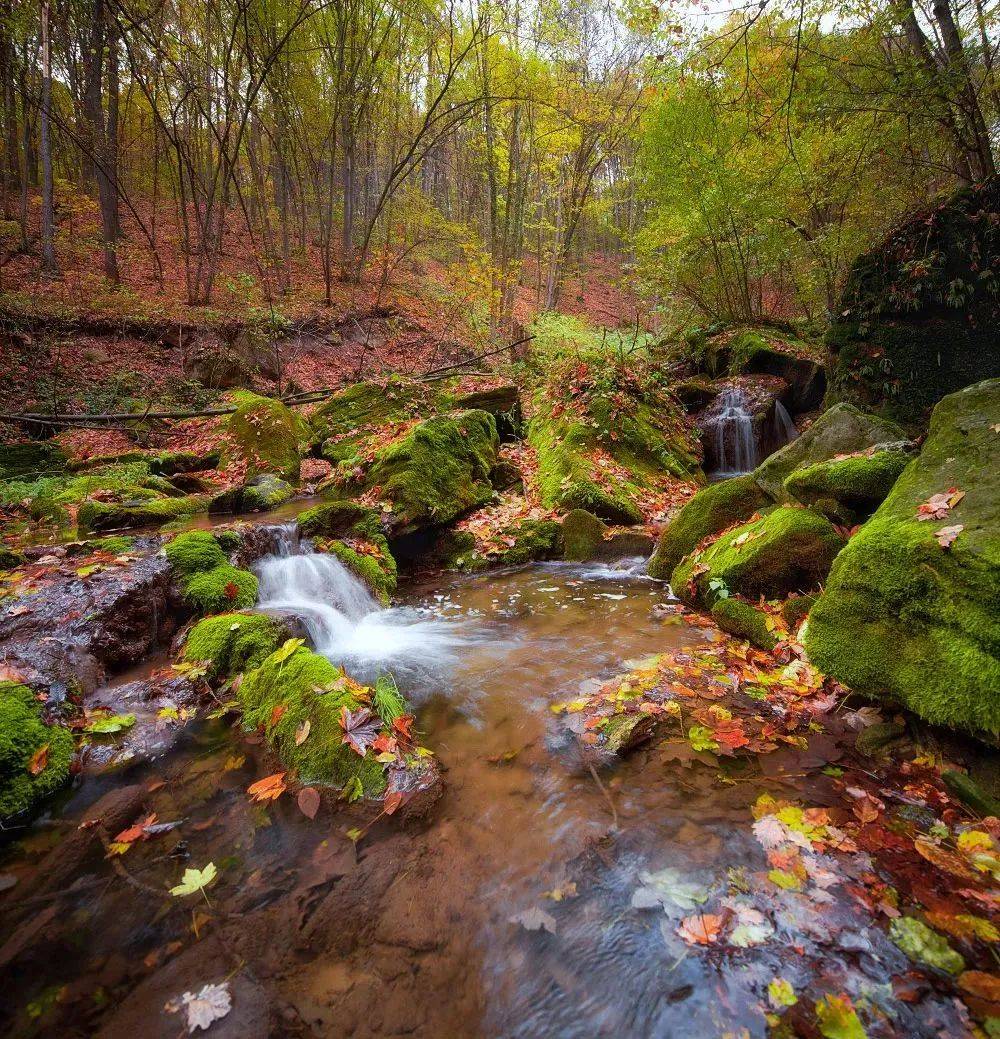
(23, 734)
(211, 584)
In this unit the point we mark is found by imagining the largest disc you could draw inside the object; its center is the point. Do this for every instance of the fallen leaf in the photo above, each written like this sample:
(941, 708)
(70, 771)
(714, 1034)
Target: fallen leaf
(700, 929)
(946, 535)
(277, 713)
(981, 985)
(231, 590)
(136, 830)
(308, 800)
(361, 728)
(39, 760)
(194, 880)
(302, 733)
(204, 1007)
(838, 1019)
(270, 788)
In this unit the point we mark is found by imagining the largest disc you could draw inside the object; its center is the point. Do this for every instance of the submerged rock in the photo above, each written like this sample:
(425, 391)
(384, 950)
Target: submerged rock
(34, 757)
(790, 549)
(583, 533)
(907, 617)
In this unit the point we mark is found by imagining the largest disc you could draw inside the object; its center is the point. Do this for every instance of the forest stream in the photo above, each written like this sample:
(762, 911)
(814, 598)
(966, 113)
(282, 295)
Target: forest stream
(541, 898)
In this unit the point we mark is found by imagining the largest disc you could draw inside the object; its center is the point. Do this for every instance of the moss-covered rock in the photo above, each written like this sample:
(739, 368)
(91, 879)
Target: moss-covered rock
(348, 419)
(23, 735)
(789, 549)
(308, 688)
(233, 642)
(918, 318)
(266, 435)
(334, 518)
(211, 584)
(525, 542)
(744, 621)
(261, 494)
(795, 609)
(94, 516)
(30, 460)
(903, 617)
(368, 559)
(712, 509)
(841, 430)
(858, 484)
(583, 533)
(434, 473)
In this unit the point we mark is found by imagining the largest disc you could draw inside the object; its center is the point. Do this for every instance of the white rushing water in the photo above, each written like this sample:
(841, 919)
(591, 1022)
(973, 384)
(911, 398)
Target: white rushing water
(731, 430)
(784, 428)
(345, 622)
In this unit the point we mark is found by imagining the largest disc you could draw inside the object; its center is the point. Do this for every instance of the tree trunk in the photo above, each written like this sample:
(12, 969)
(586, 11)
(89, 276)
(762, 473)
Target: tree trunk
(50, 267)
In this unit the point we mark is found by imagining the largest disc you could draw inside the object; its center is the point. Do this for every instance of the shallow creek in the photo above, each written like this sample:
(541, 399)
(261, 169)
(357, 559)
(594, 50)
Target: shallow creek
(507, 913)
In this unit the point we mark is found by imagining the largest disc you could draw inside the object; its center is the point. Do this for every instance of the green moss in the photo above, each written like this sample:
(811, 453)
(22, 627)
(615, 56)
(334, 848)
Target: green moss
(377, 571)
(841, 430)
(744, 621)
(266, 435)
(261, 494)
(210, 583)
(712, 509)
(790, 549)
(533, 540)
(349, 419)
(194, 552)
(102, 515)
(859, 483)
(116, 544)
(31, 459)
(583, 534)
(795, 609)
(338, 517)
(908, 620)
(434, 473)
(23, 732)
(309, 688)
(234, 642)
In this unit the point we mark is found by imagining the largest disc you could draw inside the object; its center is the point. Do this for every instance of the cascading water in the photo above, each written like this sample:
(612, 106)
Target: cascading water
(344, 620)
(730, 427)
(785, 430)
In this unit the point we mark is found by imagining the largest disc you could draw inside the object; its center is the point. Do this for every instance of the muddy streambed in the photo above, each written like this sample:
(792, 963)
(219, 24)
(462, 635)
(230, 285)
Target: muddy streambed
(531, 902)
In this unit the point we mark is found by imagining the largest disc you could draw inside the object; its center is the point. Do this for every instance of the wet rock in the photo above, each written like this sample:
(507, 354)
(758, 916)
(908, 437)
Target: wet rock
(907, 619)
(216, 364)
(875, 739)
(262, 493)
(711, 510)
(583, 534)
(789, 549)
(841, 430)
(625, 732)
(95, 516)
(965, 789)
(67, 634)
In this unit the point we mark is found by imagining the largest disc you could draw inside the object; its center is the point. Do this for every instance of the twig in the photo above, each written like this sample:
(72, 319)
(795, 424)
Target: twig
(604, 790)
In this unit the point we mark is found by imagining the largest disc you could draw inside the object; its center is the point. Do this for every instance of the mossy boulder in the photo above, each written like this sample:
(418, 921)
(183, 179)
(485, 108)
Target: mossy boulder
(94, 516)
(233, 642)
(583, 533)
(434, 473)
(331, 519)
(210, 583)
(266, 434)
(788, 550)
(903, 617)
(918, 317)
(308, 688)
(856, 485)
(31, 459)
(29, 773)
(841, 430)
(261, 494)
(348, 419)
(712, 509)
(744, 621)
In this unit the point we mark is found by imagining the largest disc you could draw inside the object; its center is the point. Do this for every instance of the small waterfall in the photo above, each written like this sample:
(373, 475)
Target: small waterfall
(784, 428)
(344, 620)
(730, 428)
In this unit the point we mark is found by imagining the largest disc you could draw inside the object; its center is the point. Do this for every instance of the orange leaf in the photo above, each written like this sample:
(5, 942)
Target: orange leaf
(39, 760)
(277, 714)
(404, 726)
(392, 802)
(231, 590)
(700, 929)
(136, 830)
(979, 983)
(268, 789)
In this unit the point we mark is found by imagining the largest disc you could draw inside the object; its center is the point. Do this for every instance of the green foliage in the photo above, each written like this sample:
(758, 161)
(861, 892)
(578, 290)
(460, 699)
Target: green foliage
(387, 699)
(23, 734)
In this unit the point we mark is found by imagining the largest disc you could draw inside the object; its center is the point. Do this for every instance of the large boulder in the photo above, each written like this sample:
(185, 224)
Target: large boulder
(842, 430)
(908, 613)
(261, 494)
(788, 550)
(265, 436)
(919, 314)
(432, 474)
(849, 488)
(712, 509)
